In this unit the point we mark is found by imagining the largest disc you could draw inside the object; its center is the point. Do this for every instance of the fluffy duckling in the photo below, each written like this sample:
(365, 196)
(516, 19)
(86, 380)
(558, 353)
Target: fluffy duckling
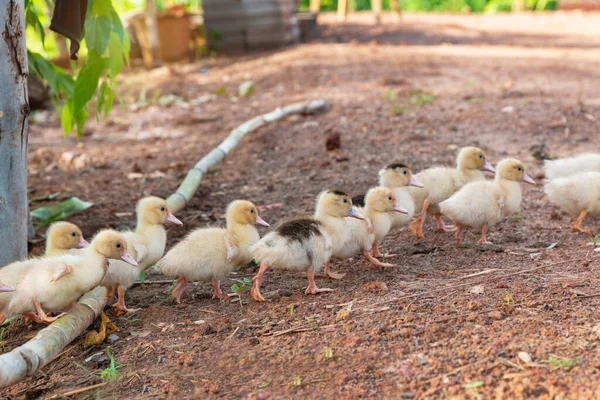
(63, 236)
(578, 195)
(60, 238)
(397, 177)
(480, 205)
(300, 244)
(566, 167)
(146, 244)
(440, 183)
(210, 254)
(380, 210)
(54, 283)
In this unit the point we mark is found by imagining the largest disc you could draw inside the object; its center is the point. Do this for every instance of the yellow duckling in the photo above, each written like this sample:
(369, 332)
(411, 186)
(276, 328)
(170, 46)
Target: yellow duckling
(578, 195)
(380, 211)
(480, 205)
(146, 244)
(63, 236)
(440, 183)
(566, 167)
(210, 254)
(55, 283)
(397, 177)
(60, 238)
(300, 244)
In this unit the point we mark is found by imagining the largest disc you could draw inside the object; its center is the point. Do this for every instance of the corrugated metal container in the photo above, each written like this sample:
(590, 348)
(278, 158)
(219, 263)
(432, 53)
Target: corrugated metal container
(250, 24)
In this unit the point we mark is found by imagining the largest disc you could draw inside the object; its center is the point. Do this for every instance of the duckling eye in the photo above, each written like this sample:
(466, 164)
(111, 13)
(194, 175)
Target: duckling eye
(345, 200)
(162, 209)
(390, 198)
(519, 169)
(481, 156)
(73, 234)
(404, 172)
(252, 211)
(118, 245)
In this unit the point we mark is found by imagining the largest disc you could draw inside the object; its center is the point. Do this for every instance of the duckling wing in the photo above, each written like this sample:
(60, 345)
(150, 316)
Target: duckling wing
(567, 167)
(140, 252)
(232, 249)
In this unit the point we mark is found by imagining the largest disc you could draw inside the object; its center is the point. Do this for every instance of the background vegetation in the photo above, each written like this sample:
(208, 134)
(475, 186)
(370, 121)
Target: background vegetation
(441, 5)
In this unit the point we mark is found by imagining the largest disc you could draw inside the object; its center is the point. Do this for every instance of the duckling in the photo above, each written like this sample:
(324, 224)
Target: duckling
(397, 177)
(210, 254)
(351, 236)
(381, 208)
(300, 244)
(566, 167)
(60, 238)
(481, 205)
(440, 183)
(54, 283)
(63, 236)
(578, 195)
(146, 244)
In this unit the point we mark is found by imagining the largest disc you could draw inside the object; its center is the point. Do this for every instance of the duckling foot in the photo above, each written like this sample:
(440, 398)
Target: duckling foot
(110, 294)
(460, 234)
(442, 227)
(41, 316)
(312, 285)
(483, 239)
(417, 225)
(376, 262)
(332, 275)
(218, 293)
(377, 253)
(257, 281)
(120, 307)
(179, 289)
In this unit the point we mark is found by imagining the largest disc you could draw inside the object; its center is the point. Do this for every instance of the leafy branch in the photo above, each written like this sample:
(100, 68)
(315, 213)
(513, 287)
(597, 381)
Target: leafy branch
(108, 47)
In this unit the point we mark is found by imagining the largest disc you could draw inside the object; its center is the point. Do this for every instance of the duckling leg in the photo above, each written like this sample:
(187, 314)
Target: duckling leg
(332, 275)
(577, 225)
(121, 309)
(483, 239)
(258, 279)
(312, 286)
(2, 319)
(218, 293)
(377, 253)
(375, 261)
(460, 234)
(417, 224)
(110, 293)
(179, 289)
(42, 315)
(441, 226)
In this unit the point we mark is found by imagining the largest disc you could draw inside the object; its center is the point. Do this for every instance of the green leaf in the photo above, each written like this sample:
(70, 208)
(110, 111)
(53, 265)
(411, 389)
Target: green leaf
(87, 81)
(101, 99)
(115, 55)
(101, 7)
(142, 276)
(110, 96)
(32, 19)
(62, 210)
(97, 33)
(80, 117)
(126, 48)
(66, 118)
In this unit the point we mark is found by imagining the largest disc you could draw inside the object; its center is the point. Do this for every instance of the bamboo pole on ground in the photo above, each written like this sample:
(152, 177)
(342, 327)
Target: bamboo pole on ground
(25, 360)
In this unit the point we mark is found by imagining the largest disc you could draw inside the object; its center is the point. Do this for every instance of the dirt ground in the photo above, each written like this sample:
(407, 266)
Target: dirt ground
(448, 322)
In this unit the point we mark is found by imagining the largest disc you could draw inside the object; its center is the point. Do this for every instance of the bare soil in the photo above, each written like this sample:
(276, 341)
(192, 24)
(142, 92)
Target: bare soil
(448, 321)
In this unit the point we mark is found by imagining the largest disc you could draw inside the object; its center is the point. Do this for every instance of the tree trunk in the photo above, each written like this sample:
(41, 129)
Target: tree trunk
(14, 131)
(153, 38)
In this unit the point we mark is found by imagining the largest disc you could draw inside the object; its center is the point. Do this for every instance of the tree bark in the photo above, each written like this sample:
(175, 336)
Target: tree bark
(14, 132)
(153, 37)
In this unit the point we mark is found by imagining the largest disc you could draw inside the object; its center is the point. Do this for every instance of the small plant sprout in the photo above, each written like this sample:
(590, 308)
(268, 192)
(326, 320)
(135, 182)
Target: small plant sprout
(291, 310)
(561, 362)
(420, 98)
(297, 381)
(2, 337)
(328, 353)
(241, 286)
(111, 373)
(472, 386)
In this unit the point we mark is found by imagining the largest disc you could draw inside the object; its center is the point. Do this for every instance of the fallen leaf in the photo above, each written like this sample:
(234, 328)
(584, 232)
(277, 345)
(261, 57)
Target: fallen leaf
(525, 357)
(478, 289)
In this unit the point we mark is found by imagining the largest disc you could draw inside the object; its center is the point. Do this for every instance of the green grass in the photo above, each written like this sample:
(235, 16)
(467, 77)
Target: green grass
(565, 363)
(111, 373)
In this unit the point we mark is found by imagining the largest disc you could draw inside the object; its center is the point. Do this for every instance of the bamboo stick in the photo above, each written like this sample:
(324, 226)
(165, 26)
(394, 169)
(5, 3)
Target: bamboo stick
(49, 342)
(190, 184)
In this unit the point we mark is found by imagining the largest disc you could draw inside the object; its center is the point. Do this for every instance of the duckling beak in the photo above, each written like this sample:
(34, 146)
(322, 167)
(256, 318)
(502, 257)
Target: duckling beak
(413, 182)
(128, 259)
(261, 222)
(488, 167)
(353, 212)
(6, 288)
(400, 209)
(173, 219)
(527, 179)
(82, 243)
